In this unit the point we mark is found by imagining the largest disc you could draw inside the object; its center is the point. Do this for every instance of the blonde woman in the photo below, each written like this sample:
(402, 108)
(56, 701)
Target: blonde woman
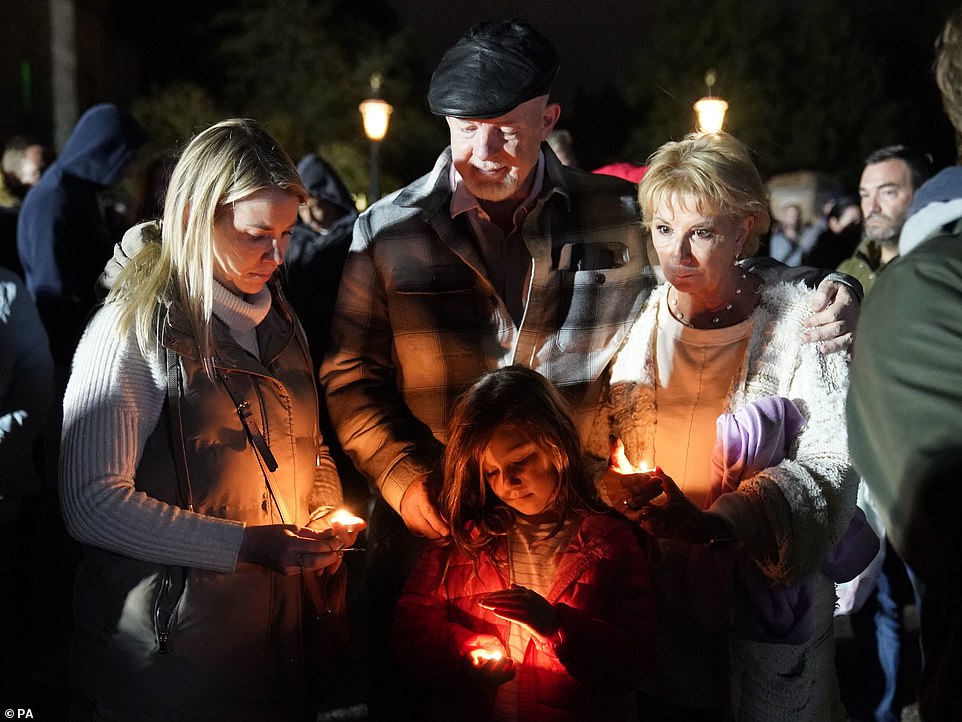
(717, 340)
(192, 462)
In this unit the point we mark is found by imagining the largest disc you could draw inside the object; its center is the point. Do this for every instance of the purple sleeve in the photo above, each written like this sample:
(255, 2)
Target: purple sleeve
(755, 436)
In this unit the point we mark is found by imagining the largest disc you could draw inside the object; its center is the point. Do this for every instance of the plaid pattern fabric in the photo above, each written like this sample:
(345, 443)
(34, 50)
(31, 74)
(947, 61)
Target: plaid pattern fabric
(417, 320)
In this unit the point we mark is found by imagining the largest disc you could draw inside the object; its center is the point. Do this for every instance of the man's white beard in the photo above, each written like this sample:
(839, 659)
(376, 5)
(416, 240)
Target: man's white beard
(491, 190)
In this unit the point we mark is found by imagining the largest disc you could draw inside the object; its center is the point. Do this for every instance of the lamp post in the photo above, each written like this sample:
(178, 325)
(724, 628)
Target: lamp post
(710, 110)
(375, 114)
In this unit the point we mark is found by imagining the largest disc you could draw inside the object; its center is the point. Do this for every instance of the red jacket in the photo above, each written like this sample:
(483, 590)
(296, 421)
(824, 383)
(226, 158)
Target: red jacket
(605, 646)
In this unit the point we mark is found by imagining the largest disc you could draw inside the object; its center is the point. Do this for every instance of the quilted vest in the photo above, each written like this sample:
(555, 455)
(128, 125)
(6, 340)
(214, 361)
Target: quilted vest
(158, 635)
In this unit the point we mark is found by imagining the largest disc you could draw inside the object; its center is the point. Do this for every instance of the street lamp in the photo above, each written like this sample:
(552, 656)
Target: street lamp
(375, 114)
(710, 110)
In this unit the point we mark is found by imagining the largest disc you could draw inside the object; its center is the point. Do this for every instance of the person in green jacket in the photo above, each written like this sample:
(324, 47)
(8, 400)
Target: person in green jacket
(905, 403)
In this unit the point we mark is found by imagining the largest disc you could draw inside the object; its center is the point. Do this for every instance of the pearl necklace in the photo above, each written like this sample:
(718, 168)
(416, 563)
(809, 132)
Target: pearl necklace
(677, 313)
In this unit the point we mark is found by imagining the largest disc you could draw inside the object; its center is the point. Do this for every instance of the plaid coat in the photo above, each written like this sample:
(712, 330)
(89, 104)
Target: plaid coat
(417, 320)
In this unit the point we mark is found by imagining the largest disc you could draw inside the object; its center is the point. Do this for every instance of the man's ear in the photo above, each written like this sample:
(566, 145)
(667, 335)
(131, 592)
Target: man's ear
(552, 111)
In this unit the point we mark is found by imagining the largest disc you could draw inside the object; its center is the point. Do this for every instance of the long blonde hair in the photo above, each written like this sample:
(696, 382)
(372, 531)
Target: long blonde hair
(221, 165)
(714, 173)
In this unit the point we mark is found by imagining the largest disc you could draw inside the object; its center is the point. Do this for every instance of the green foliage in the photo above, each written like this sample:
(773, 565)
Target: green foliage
(302, 67)
(284, 66)
(808, 84)
(171, 115)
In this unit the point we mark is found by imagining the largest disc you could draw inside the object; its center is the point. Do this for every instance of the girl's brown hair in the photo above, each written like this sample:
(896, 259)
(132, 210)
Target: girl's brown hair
(524, 400)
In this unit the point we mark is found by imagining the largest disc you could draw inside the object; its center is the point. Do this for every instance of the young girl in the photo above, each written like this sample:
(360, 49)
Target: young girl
(539, 605)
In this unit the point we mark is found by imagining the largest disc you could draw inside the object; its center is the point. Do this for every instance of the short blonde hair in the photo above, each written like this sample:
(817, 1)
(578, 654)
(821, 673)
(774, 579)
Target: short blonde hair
(711, 172)
(223, 164)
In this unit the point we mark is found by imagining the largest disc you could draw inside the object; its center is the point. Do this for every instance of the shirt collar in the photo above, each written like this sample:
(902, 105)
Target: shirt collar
(462, 199)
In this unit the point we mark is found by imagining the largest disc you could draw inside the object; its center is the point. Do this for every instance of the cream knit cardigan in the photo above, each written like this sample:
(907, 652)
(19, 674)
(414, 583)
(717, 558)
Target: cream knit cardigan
(808, 499)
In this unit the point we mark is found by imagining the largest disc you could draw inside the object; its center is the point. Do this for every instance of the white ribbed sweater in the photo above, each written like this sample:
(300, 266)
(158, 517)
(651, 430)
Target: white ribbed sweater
(112, 404)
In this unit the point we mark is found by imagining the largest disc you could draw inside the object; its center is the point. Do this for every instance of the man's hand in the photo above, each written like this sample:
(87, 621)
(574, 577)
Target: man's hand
(419, 514)
(835, 315)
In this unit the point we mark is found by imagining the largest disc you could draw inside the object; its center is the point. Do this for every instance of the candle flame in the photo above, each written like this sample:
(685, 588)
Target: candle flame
(480, 655)
(345, 518)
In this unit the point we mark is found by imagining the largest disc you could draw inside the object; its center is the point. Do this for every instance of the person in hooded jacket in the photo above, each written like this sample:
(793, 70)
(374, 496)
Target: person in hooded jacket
(317, 250)
(312, 273)
(63, 239)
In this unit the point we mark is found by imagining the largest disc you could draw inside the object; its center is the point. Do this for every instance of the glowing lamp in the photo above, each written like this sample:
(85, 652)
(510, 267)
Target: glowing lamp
(711, 114)
(376, 115)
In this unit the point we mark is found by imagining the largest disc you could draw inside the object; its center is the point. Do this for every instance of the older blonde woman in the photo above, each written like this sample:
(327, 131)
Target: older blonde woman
(711, 340)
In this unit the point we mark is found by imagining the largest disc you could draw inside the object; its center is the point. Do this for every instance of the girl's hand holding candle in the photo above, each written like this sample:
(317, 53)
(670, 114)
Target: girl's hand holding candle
(487, 659)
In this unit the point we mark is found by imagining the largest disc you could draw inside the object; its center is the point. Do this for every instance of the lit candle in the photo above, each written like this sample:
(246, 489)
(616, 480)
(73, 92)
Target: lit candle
(628, 486)
(345, 518)
(480, 655)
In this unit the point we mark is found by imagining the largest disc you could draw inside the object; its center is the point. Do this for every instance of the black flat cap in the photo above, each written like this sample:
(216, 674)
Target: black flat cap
(493, 68)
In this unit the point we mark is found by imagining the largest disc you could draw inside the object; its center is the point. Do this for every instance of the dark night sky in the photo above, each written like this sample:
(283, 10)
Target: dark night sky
(594, 38)
(599, 39)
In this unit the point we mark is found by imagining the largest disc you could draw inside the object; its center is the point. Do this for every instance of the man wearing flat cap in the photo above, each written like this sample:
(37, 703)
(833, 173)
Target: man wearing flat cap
(500, 255)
